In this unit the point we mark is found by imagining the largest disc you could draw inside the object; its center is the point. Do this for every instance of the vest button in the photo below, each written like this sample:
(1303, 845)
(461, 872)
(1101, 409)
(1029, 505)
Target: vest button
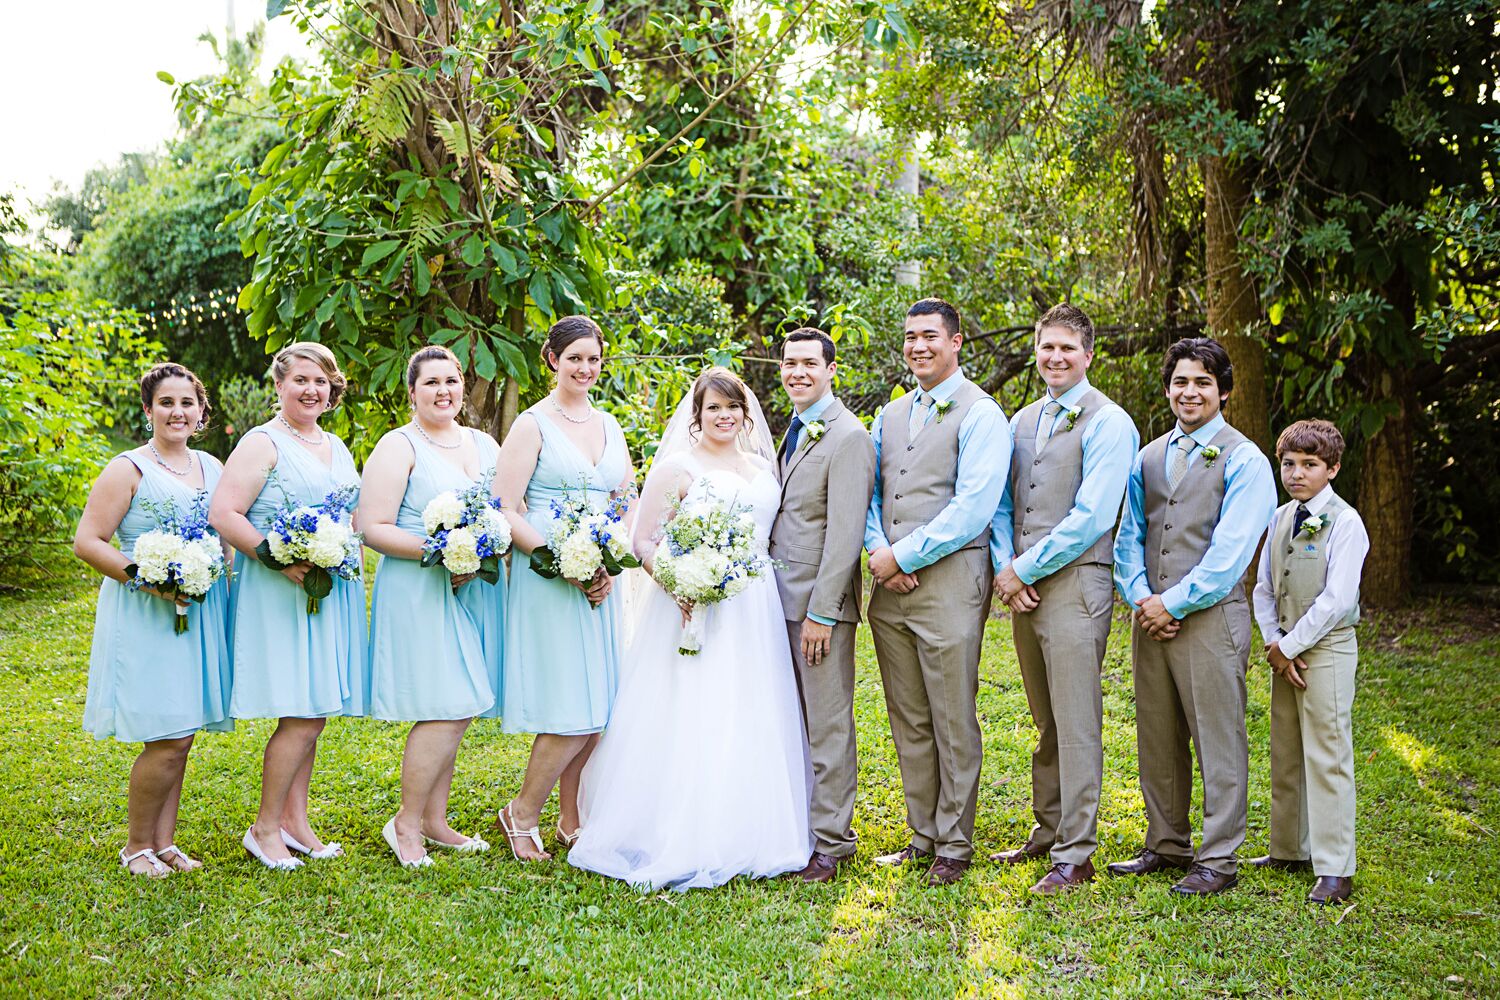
(1163, 576)
(1166, 552)
(1025, 531)
(1028, 510)
(903, 472)
(1167, 527)
(1033, 486)
(898, 496)
(910, 447)
(1286, 572)
(1288, 550)
(1171, 503)
(1037, 462)
(896, 520)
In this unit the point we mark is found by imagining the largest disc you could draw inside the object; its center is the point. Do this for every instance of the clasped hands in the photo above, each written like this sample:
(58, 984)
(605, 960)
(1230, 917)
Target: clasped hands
(1155, 620)
(1286, 667)
(888, 573)
(597, 589)
(1018, 595)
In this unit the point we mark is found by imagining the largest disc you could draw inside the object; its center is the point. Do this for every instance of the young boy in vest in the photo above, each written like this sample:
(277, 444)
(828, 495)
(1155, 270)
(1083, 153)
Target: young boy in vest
(1306, 602)
(1198, 501)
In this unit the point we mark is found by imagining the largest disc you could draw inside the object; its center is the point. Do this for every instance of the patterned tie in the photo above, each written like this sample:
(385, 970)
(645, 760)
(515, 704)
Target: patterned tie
(1302, 514)
(1179, 467)
(789, 443)
(1049, 420)
(918, 418)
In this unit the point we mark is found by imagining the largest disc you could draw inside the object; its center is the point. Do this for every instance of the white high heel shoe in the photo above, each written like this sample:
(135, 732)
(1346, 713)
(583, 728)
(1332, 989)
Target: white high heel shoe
(389, 833)
(252, 848)
(334, 850)
(471, 845)
(157, 869)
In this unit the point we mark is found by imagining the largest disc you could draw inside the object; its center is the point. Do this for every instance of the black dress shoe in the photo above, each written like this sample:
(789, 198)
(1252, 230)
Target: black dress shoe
(1204, 881)
(1148, 862)
(1331, 889)
(1281, 864)
(1020, 855)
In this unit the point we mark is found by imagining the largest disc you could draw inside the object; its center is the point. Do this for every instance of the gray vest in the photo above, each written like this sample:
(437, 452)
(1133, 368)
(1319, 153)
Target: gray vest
(1180, 523)
(917, 475)
(1299, 566)
(1044, 484)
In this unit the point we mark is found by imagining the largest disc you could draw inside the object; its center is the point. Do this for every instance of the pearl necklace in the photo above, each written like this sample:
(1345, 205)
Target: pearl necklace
(163, 462)
(436, 444)
(293, 432)
(569, 417)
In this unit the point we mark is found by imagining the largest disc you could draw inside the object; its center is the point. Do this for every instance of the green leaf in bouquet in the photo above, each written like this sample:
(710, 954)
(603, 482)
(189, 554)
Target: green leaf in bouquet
(489, 569)
(432, 558)
(318, 582)
(544, 563)
(263, 553)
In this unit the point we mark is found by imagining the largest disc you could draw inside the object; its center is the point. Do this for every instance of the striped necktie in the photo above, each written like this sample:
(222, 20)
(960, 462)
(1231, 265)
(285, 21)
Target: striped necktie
(918, 417)
(1179, 467)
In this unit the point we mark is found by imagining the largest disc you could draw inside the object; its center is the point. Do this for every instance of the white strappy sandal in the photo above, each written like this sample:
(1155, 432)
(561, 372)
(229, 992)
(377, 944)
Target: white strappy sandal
(157, 869)
(471, 845)
(389, 833)
(567, 840)
(513, 833)
(193, 864)
(334, 850)
(252, 848)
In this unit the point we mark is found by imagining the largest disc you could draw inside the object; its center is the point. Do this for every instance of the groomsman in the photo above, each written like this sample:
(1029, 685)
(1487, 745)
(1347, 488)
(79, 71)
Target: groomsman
(1199, 499)
(1053, 554)
(827, 472)
(941, 457)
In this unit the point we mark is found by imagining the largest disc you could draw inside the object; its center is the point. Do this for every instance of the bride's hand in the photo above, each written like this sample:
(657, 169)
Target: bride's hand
(686, 607)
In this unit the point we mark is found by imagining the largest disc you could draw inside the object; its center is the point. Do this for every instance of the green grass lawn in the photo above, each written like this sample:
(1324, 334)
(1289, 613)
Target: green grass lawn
(1423, 920)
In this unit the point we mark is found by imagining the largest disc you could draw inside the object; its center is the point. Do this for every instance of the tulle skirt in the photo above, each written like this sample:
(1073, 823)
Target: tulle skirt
(702, 773)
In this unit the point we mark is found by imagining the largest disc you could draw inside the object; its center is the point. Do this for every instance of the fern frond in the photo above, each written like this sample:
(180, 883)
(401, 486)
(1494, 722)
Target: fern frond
(427, 220)
(385, 107)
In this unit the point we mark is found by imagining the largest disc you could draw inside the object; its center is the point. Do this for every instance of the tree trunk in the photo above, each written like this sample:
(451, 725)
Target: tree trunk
(1385, 494)
(1233, 306)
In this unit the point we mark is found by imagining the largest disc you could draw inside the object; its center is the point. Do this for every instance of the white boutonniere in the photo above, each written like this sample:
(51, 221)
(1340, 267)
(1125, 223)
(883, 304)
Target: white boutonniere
(1313, 525)
(815, 430)
(943, 408)
(1210, 453)
(1071, 415)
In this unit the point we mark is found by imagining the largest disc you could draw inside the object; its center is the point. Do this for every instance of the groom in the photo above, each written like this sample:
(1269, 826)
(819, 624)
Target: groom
(827, 472)
(942, 454)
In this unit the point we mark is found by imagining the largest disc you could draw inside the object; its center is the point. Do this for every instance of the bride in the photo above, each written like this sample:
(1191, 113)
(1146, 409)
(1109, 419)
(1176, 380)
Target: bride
(702, 772)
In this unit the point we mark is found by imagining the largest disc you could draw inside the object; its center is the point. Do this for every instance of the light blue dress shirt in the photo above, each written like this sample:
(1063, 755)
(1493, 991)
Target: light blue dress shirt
(1110, 442)
(984, 443)
(815, 410)
(1249, 502)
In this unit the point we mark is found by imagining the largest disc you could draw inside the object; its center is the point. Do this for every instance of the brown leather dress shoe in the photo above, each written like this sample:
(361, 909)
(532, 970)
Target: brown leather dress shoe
(1020, 855)
(1204, 881)
(1148, 862)
(1064, 876)
(1281, 864)
(820, 868)
(1331, 889)
(946, 871)
(906, 855)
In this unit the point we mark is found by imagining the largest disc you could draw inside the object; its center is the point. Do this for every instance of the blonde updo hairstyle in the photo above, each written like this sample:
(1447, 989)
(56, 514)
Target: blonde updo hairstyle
(308, 350)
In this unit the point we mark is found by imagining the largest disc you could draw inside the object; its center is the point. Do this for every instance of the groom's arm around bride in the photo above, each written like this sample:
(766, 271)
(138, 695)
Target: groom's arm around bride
(826, 464)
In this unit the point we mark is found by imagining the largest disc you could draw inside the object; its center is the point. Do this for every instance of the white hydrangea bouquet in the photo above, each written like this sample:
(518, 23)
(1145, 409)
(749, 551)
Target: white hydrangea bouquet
(321, 534)
(708, 553)
(466, 532)
(180, 557)
(582, 540)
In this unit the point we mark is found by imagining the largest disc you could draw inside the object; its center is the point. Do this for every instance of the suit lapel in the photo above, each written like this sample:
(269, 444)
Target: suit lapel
(807, 444)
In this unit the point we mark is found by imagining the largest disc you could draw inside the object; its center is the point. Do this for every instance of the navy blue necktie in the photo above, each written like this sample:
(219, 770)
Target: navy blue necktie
(1302, 514)
(789, 444)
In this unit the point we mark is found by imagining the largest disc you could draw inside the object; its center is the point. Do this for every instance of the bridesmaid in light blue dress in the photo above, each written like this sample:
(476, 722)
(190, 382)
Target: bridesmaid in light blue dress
(297, 667)
(148, 684)
(435, 640)
(562, 640)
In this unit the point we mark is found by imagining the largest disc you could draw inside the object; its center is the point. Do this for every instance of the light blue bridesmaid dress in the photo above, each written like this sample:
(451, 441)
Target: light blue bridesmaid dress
(288, 663)
(145, 681)
(562, 657)
(434, 654)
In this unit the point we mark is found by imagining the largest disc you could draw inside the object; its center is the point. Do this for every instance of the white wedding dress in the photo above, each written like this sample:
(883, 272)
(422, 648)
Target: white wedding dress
(702, 773)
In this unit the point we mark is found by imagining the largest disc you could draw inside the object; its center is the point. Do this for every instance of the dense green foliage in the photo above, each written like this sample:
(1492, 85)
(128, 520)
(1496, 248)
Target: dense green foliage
(1421, 922)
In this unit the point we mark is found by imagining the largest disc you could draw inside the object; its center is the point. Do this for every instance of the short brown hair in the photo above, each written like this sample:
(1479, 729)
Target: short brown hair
(1312, 437)
(564, 332)
(432, 352)
(159, 373)
(727, 384)
(1069, 317)
(311, 350)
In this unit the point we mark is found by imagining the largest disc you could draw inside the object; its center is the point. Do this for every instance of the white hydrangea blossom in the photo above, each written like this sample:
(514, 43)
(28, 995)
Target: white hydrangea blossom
(154, 552)
(461, 554)
(579, 557)
(445, 510)
(329, 544)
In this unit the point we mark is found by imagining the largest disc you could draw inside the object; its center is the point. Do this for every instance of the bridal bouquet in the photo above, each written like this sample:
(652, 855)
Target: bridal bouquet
(708, 553)
(581, 541)
(321, 534)
(181, 557)
(466, 532)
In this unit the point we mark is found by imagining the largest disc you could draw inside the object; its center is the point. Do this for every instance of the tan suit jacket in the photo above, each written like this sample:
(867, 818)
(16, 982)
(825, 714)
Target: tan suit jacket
(819, 532)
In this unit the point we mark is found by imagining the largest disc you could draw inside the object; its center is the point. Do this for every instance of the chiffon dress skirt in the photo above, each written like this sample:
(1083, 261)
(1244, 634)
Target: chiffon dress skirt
(562, 656)
(288, 663)
(145, 681)
(703, 773)
(428, 659)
